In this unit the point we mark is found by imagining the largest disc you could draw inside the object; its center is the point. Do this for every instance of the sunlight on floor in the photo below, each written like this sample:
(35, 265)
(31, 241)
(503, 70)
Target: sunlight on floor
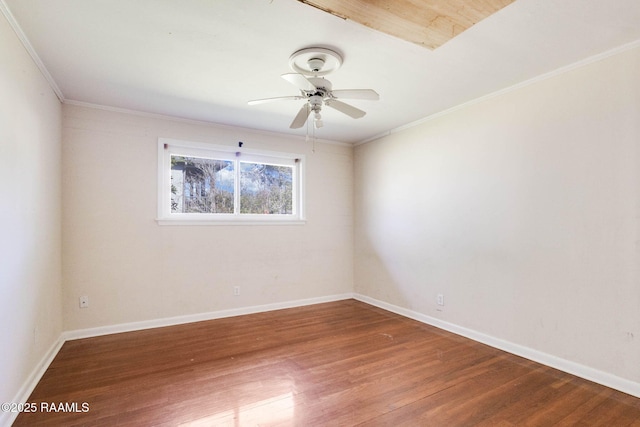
(275, 410)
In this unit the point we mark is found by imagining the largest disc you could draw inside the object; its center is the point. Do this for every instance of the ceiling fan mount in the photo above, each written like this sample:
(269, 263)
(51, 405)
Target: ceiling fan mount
(315, 61)
(310, 65)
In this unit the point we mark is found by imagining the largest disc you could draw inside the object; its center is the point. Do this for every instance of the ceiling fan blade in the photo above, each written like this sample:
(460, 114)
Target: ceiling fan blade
(347, 109)
(279, 98)
(369, 94)
(300, 81)
(301, 117)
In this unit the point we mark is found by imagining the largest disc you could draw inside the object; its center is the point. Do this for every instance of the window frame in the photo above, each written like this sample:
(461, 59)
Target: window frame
(171, 147)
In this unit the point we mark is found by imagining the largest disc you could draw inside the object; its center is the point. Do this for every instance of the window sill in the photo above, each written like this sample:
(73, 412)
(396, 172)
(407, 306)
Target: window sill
(234, 221)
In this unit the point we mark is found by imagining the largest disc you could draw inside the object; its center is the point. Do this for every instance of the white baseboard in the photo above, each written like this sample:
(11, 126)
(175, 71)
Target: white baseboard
(190, 318)
(600, 377)
(7, 418)
(573, 368)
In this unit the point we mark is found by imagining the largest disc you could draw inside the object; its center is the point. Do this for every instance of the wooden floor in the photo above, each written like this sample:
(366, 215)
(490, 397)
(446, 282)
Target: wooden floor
(339, 364)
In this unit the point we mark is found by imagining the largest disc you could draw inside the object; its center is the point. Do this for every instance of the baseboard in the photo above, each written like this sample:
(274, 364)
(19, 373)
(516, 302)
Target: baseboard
(178, 320)
(604, 378)
(600, 377)
(7, 418)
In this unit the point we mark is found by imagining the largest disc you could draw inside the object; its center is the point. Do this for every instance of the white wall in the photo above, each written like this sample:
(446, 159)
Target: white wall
(30, 242)
(523, 210)
(134, 270)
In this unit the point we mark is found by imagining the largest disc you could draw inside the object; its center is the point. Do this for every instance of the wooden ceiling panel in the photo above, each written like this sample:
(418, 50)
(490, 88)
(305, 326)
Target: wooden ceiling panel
(428, 23)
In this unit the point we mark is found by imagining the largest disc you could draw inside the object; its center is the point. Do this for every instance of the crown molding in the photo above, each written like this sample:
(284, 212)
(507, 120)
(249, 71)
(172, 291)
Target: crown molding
(29, 48)
(558, 71)
(195, 122)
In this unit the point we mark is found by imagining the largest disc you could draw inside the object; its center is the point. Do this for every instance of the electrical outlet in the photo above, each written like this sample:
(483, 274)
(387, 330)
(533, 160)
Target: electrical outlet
(84, 302)
(440, 299)
(236, 290)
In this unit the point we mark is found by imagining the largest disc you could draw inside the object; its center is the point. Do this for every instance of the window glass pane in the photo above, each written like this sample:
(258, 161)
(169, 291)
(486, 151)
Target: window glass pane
(266, 189)
(201, 185)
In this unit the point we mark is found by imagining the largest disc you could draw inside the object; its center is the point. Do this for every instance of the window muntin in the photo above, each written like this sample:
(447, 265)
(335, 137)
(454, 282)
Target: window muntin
(210, 184)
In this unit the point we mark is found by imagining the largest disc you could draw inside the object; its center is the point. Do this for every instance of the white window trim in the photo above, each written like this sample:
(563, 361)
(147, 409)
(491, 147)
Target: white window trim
(225, 152)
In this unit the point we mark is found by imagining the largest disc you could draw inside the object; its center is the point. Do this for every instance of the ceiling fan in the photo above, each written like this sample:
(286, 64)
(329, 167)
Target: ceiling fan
(311, 64)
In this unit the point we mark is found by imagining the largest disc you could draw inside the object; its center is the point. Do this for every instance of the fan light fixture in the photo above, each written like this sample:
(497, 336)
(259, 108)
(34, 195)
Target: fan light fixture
(310, 65)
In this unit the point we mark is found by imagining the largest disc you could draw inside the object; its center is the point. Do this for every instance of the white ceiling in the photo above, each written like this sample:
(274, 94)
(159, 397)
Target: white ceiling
(204, 59)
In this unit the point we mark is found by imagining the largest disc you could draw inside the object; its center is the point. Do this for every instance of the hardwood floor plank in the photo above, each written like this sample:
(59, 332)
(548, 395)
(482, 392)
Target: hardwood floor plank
(342, 363)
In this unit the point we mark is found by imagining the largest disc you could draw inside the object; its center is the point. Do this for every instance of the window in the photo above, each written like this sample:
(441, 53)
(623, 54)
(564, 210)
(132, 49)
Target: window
(206, 184)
